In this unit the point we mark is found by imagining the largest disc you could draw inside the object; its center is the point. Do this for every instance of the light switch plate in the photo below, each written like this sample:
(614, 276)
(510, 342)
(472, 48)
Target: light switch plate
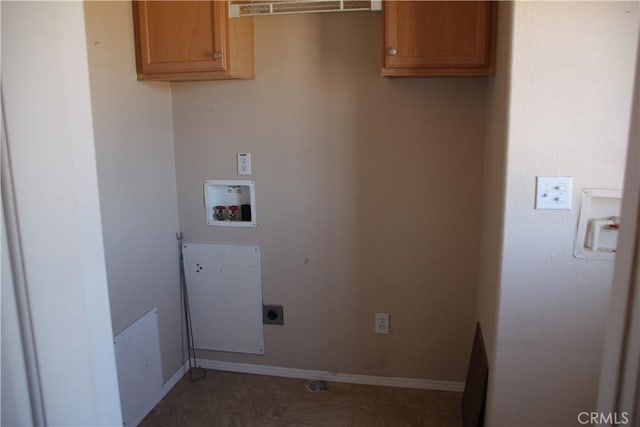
(554, 192)
(244, 163)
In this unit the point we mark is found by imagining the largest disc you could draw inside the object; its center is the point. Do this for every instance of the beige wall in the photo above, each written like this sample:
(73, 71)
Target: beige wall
(570, 94)
(368, 196)
(495, 164)
(136, 176)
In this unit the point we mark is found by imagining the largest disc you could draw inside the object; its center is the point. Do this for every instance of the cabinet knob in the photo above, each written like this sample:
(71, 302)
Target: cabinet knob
(217, 55)
(392, 51)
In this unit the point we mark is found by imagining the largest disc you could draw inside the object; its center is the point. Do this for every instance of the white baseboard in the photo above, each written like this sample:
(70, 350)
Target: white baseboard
(173, 380)
(307, 374)
(278, 371)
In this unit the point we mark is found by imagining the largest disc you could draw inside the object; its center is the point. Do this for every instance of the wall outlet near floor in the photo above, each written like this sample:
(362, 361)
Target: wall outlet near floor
(272, 315)
(382, 323)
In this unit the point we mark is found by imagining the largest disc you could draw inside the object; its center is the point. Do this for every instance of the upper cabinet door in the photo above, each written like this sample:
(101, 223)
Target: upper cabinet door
(181, 36)
(191, 40)
(439, 38)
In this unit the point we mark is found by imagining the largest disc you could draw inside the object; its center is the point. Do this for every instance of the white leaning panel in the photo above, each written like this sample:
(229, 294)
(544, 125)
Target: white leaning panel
(139, 366)
(224, 286)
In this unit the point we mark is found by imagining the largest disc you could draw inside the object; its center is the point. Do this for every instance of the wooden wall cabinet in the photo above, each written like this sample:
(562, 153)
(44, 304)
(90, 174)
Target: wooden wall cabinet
(439, 38)
(191, 40)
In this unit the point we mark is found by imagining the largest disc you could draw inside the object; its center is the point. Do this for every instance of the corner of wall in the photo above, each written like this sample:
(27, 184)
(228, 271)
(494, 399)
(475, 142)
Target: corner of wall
(494, 188)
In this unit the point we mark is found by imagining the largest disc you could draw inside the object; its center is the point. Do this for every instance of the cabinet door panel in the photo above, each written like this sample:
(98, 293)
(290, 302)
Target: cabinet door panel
(181, 36)
(438, 34)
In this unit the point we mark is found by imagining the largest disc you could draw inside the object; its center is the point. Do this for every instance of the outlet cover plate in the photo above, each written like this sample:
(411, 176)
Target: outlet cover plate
(554, 192)
(382, 323)
(244, 163)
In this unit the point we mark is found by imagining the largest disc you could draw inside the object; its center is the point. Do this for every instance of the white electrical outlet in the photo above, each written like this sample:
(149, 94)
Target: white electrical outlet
(244, 163)
(382, 323)
(553, 192)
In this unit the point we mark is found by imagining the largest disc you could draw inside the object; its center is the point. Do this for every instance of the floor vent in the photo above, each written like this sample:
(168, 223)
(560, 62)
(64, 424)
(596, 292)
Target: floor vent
(319, 386)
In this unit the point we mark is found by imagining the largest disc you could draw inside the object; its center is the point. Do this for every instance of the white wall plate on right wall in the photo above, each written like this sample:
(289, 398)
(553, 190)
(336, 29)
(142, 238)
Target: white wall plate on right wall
(554, 192)
(597, 235)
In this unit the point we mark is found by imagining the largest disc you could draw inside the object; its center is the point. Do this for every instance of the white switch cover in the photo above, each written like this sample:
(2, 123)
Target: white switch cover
(553, 192)
(244, 163)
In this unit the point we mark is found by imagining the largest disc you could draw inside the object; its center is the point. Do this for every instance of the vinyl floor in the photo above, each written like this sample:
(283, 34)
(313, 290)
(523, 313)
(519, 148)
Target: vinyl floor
(232, 399)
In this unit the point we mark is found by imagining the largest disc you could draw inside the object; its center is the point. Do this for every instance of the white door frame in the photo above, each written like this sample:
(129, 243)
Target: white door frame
(620, 374)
